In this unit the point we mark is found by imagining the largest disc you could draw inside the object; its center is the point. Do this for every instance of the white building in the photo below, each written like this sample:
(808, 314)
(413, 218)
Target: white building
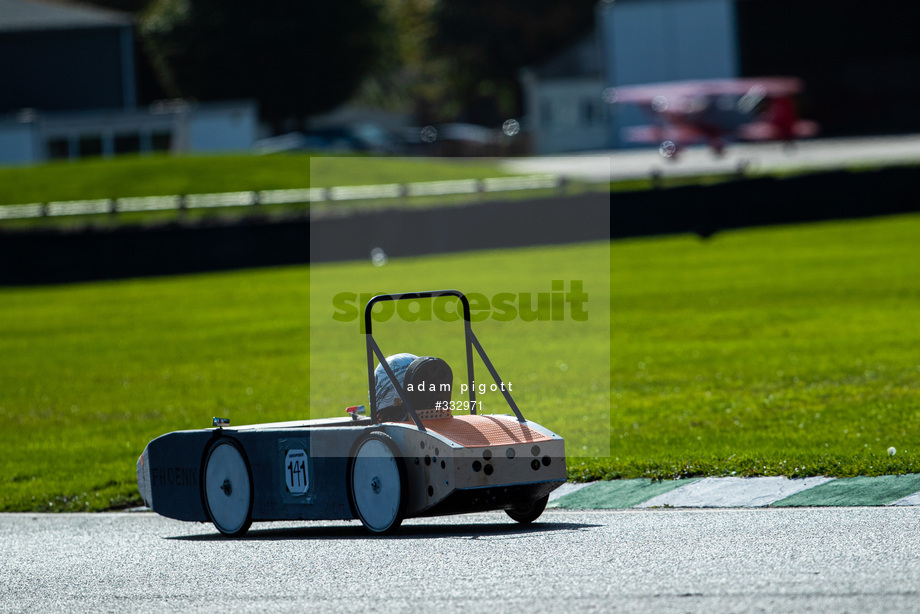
(562, 98)
(172, 126)
(635, 41)
(68, 90)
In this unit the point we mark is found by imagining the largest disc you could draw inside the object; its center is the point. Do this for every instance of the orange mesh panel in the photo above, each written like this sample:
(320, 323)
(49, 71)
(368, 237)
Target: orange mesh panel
(480, 431)
(433, 414)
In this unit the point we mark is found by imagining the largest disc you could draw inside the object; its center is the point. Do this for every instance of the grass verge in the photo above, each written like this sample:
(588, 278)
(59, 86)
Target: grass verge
(158, 175)
(770, 351)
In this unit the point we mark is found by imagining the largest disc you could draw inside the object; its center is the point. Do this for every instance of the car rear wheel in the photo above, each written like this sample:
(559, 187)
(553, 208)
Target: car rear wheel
(376, 480)
(526, 514)
(228, 488)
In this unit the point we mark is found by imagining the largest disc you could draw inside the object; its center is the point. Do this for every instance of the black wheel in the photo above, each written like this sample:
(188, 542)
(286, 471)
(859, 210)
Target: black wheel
(377, 483)
(526, 514)
(227, 488)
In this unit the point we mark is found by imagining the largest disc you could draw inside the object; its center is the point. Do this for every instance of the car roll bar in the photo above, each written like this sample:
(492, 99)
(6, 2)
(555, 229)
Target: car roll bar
(471, 342)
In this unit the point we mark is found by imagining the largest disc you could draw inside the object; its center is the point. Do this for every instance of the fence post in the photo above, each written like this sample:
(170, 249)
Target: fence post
(563, 185)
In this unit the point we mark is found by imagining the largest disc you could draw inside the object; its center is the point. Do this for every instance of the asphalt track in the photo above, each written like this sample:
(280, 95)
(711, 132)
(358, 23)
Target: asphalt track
(806, 155)
(734, 560)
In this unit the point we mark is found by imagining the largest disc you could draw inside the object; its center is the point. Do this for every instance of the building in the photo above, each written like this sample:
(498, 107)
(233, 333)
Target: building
(858, 65)
(565, 111)
(64, 57)
(68, 89)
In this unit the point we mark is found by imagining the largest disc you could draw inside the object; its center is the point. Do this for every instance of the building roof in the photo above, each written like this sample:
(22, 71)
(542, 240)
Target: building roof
(35, 15)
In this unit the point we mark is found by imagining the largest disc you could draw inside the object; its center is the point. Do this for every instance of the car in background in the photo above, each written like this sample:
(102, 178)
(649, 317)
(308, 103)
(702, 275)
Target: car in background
(361, 137)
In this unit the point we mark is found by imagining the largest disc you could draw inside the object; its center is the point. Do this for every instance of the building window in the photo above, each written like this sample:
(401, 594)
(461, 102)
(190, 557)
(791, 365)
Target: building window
(127, 143)
(90, 145)
(58, 149)
(161, 141)
(588, 112)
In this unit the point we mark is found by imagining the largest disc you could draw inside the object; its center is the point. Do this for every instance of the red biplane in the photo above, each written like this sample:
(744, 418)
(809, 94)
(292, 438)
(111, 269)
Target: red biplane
(714, 111)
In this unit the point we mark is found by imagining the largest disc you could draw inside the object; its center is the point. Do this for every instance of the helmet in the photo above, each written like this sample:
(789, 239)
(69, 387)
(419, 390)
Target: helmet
(431, 379)
(384, 390)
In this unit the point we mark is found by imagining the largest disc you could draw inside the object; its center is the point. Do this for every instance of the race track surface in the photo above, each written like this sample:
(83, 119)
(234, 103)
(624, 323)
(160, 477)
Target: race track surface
(739, 560)
(806, 155)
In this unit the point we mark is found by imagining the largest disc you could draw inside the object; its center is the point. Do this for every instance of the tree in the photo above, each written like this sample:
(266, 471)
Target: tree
(409, 78)
(487, 42)
(128, 6)
(295, 57)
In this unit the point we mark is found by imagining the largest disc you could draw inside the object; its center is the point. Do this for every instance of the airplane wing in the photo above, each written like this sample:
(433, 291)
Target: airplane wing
(678, 133)
(685, 96)
(766, 131)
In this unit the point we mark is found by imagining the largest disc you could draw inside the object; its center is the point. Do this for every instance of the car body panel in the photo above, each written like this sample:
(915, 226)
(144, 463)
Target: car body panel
(443, 475)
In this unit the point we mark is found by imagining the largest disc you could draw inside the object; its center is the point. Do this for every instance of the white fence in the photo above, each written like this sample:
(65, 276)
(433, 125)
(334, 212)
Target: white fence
(275, 197)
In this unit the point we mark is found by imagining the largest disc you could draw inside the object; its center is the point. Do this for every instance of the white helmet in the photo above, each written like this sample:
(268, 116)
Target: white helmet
(384, 390)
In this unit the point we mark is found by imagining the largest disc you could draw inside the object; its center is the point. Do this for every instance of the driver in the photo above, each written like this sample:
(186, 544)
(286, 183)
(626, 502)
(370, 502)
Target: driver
(426, 382)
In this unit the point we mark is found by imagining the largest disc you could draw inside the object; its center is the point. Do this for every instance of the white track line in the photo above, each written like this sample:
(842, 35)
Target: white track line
(913, 499)
(568, 488)
(733, 492)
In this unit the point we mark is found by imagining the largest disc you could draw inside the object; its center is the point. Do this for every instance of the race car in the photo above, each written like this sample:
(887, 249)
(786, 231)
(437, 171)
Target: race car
(411, 457)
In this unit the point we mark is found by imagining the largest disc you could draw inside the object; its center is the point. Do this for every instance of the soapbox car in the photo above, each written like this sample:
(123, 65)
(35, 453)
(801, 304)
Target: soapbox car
(406, 460)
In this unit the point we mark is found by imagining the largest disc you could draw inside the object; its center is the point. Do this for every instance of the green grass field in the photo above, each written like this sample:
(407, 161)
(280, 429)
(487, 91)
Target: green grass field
(163, 175)
(787, 350)
(772, 351)
(159, 175)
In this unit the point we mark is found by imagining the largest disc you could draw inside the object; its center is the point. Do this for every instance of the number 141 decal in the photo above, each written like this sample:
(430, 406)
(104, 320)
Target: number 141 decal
(296, 476)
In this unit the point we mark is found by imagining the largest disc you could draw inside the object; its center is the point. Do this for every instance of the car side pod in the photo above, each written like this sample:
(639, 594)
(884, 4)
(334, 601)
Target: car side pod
(379, 468)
